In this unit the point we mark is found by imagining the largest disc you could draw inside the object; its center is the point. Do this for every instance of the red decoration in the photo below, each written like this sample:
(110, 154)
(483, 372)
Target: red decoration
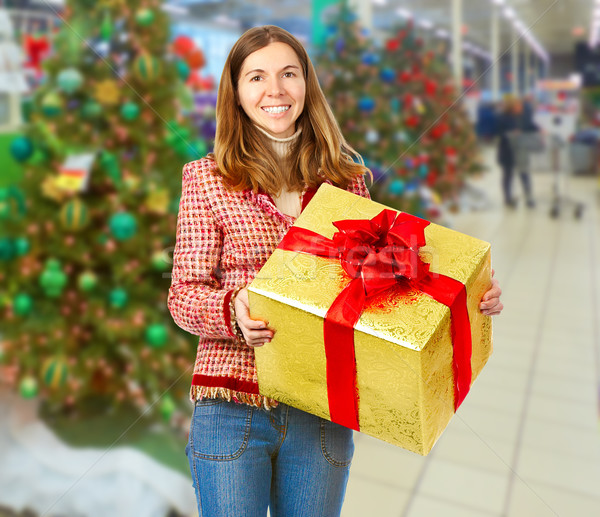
(378, 254)
(36, 49)
(412, 121)
(392, 45)
(405, 76)
(430, 87)
(431, 178)
(199, 83)
(182, 46)
(195, 59)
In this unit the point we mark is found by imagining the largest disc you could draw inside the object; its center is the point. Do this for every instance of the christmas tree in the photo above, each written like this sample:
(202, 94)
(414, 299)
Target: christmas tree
(86, 237)
(398, 108)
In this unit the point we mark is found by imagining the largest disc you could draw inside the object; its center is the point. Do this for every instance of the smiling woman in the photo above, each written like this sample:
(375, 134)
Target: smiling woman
(276, 143)
(267, 71)
(273, 98)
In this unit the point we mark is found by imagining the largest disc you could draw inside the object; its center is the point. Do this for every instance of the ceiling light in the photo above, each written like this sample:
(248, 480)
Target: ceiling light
(509, 13)
(404, 13)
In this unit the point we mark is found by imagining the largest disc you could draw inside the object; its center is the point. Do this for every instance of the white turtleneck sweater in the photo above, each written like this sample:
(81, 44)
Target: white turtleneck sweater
(286, 202)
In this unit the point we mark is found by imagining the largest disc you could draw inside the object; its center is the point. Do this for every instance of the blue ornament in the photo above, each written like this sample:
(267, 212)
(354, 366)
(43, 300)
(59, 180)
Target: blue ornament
(368, 58)
(331, 30)
(423, 170)
(388, 75)
(409, 162)
(123, 226)
(412, 187)
(21, 149)
(340, 44)
(366, 104)
(396, 187)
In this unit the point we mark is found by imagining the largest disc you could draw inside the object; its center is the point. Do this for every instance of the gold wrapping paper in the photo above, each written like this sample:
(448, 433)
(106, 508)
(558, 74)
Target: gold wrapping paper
(402, 340)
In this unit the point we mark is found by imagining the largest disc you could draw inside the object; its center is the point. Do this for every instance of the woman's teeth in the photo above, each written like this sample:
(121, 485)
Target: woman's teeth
(276, 109)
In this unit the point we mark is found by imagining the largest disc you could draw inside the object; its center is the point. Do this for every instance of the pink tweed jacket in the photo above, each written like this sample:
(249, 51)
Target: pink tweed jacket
(223, 239)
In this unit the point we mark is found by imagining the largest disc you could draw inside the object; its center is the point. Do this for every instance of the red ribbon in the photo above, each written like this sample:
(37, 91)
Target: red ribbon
(377, 254)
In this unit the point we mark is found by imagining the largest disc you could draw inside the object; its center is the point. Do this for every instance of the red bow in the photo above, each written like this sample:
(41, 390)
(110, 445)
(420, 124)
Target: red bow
(377, 254)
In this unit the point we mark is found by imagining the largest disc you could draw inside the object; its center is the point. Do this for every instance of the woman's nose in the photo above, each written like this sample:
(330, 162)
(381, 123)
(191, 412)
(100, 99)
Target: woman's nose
(275, 87)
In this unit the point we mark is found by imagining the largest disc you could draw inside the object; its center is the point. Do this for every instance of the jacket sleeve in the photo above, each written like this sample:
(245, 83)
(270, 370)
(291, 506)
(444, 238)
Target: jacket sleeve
(196, 300)
(359, 187)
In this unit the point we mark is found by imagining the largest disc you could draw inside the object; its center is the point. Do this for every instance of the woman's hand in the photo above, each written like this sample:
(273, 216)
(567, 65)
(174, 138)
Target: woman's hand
(255, 332)
(490, 302)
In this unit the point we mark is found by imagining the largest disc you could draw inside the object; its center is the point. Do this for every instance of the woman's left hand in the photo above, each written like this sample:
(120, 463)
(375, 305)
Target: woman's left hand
(490, 302)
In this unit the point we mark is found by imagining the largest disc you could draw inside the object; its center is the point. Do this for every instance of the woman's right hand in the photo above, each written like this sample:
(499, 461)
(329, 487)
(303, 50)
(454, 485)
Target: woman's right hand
(255, 332)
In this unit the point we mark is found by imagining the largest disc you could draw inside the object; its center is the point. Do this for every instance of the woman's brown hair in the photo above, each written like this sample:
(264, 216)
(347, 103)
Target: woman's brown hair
(245, 156)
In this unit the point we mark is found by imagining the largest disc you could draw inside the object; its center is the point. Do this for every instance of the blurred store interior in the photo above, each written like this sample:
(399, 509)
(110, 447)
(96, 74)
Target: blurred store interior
(102, 103)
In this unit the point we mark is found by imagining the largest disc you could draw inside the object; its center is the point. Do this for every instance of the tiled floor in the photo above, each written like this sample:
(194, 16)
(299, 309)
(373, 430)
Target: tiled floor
(526, 442)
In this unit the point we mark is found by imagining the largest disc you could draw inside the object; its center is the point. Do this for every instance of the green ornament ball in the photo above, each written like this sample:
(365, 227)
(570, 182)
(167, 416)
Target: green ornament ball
(52, 104)
(91, 110)
(146, 68)
(198, 149)
(22, 246)
(54, 372)
(160, 261)
(21, 149)
(130, 111)
(123, 226)
(69, 80)
(157, 335)
(7, 248)
(144, 17)
(28, 387)
(87, 281)
(118, 298)
(167, 407)
(22, 304)
(53, 279)
(183, 70)
(74, 215)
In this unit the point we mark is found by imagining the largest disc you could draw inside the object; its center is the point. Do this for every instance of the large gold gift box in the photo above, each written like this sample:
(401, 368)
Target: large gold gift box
(402, 341)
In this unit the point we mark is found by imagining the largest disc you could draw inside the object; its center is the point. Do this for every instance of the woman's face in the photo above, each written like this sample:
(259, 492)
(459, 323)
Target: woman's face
(271, 89)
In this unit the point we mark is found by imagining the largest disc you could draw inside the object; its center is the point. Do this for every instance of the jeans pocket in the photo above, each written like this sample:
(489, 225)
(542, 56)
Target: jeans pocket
(220, 430)
(337, 443)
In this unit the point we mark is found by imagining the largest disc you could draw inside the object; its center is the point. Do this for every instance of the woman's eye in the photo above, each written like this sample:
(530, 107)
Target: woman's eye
(256, 78)
(289, 74)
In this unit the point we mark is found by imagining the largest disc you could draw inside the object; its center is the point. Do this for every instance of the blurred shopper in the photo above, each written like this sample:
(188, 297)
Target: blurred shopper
(276, 142)
(519, 136)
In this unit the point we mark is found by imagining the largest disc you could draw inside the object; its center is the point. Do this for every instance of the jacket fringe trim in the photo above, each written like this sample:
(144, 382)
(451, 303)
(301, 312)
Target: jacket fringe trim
(214, 392)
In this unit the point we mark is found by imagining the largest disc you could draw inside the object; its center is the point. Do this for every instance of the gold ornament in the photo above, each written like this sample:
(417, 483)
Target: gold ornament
(51, 189)
(157, 201)
(107, 92)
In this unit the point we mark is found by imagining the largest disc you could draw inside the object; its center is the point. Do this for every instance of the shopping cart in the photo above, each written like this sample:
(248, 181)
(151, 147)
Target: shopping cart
(580, 158)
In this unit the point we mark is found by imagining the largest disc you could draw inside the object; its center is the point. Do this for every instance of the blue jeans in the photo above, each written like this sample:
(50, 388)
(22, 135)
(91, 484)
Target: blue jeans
(244, 459)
